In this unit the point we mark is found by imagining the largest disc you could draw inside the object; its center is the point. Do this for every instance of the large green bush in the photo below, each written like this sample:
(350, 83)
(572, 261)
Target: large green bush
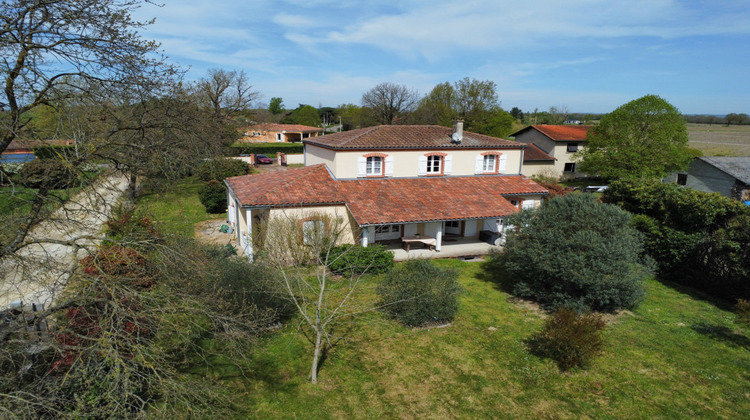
(698, 239)
(219, 169)
(569, 338)
(51, 174)
(355, 259)
(213, 196)
(575, 252)
(418, 292)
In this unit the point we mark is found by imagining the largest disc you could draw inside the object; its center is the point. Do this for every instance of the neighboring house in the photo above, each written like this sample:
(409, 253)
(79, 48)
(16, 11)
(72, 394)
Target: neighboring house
(388, 183)
(729, 176)
(559, 142)
(22, 150)
(272, 132)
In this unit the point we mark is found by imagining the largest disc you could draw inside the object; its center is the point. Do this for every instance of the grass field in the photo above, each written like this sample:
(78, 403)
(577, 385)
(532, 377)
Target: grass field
(720, 140)
(677, 356)
(177, 209)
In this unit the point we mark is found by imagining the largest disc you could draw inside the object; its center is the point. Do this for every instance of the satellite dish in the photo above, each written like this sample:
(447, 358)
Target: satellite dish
(456, 137)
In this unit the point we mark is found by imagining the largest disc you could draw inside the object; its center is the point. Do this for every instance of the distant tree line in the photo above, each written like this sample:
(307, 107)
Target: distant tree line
(729, 119)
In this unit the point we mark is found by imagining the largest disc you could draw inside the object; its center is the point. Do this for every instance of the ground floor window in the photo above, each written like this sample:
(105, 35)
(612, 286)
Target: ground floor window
(313, 231)
(681, 179)
(570, 167)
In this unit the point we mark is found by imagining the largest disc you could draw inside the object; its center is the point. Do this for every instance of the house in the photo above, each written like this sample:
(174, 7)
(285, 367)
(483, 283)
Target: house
(729, 176)
(559, 143)
(392, 184)
(272, 132)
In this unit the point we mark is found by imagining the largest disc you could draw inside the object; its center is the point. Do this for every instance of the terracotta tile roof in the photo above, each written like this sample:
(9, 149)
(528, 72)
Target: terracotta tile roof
(408, 137)
(392, 200)
(302, 186)
(282, 127)
(560, 132)
(22, 144)
(534, 153)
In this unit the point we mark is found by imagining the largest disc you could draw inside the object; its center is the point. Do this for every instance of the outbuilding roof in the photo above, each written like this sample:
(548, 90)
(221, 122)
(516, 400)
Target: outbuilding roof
(534, 153)
(738, 167)
(409, 137)
(559, 132)
(389, 200)
(284, 127)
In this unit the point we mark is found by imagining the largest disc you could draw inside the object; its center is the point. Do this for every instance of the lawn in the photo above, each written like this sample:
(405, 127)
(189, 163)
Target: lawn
(178, 208)
(676, 356)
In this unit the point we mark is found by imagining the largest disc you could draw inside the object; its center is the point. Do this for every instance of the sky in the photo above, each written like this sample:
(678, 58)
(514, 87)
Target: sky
(586, 56)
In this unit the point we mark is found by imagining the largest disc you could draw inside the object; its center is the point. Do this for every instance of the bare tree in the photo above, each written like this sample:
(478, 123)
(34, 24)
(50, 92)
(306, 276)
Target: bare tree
(389, 101)
(300, 246)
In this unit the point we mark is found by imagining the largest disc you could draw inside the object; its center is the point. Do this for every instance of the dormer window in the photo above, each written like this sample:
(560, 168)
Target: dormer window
(374, 166)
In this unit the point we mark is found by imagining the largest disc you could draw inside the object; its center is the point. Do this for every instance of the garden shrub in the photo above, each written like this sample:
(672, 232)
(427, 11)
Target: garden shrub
(120, 263)
(213, 196)
(575, 252)
(569, 338)
(418, 292)
(51, 174)
(356, 259)
(219, 169)
(125, 225)
(697, 239)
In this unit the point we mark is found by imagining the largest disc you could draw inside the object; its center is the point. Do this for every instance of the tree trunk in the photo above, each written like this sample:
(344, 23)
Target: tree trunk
(318, 348)
(131, 186)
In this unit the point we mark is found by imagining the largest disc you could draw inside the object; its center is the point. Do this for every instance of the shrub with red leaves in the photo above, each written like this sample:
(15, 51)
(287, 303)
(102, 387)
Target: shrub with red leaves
(117, 261)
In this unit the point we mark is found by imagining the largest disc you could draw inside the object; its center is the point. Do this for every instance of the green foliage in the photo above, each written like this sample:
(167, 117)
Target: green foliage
(569, 338)
(219, 169)
(276, 106)
(213, 196)
(418, 292)
(251, 284)
(50, 174)
(356, 259)
(697, 239)
(267, 148)
(577, 253)
(645, 138)
(305, 115)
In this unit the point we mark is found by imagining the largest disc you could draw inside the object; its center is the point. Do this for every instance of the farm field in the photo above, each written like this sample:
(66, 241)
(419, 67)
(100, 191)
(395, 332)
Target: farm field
(719, 139)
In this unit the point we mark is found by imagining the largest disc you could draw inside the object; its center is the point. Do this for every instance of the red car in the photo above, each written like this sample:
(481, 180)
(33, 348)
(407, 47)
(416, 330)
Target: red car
(263, 159)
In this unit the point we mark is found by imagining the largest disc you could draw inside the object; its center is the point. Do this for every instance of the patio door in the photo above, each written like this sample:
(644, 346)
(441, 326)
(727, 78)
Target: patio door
(453, 227)
(387, 232)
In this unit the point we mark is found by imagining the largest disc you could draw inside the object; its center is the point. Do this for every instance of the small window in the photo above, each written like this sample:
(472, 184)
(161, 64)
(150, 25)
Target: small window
(279, 137)
(374, 166)
(570, 167)
(434, 163)
(490, 163)
(453, 224)
(305, 135)
(682, 179)
(572, 147)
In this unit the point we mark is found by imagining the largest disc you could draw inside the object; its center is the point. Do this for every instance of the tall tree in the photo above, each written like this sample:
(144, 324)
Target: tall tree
(474, 101)
(389, 101)
(645, 138)
(276, 106)
(225, 94)
(305, 115)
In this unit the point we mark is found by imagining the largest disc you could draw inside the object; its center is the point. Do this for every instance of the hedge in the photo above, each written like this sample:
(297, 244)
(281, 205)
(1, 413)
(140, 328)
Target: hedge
(267, 148)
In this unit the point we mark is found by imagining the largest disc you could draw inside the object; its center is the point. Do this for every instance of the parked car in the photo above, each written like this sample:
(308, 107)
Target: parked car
(595, 188)
(263, 159)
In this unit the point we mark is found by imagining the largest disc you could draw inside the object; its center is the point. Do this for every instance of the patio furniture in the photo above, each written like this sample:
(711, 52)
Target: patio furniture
(424, 240)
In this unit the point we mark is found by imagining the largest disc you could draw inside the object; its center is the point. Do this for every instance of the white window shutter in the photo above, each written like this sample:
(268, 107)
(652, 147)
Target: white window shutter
(361, 166)
(448, 161)
(501, 161)
(422, 167)
(389, 166)
(479, 167)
